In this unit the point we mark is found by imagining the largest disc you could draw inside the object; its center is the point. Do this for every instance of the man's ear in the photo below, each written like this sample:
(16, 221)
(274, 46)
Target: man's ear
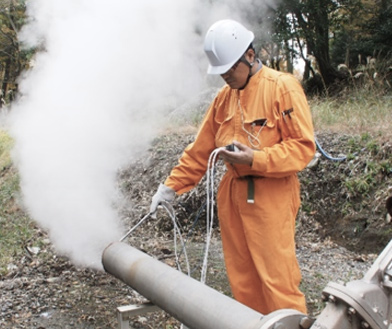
(250, 55)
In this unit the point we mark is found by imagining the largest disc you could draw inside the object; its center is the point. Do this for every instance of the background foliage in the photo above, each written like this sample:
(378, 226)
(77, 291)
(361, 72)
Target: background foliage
(13, 59)
(336, 40)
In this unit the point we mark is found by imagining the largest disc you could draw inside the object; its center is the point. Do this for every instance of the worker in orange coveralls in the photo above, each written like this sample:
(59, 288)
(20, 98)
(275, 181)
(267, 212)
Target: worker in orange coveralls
(265, 114)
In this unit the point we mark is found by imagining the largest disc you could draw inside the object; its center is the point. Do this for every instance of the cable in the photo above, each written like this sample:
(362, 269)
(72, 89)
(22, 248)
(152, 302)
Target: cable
(171, 213)
(210, 208)
(328, 156)
(210, 203)
(135, 227)
(195, 221)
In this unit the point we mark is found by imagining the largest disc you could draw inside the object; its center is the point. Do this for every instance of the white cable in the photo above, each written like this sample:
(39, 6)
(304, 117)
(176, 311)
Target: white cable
(210, 208)
(209, 218)
(135, 227)
(171, 213)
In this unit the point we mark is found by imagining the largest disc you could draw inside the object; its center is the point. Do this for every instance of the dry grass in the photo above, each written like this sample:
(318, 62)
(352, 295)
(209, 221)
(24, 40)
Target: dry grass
(358, 113)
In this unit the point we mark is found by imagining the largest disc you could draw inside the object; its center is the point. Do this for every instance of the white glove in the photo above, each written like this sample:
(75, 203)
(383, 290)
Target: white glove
(163, 193)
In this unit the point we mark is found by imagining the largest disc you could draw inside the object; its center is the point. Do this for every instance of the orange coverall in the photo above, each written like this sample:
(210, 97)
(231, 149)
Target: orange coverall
(257, 238)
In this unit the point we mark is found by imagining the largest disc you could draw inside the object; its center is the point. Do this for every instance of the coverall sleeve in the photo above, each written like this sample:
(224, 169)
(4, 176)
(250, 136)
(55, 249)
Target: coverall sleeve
(194, 161)
(297, 146)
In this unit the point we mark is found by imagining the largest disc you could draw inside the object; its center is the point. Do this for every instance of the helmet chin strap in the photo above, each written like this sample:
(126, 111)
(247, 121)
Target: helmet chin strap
(250, 65)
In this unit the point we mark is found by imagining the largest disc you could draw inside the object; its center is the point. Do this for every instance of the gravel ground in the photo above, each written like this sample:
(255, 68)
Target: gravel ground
(52, 293)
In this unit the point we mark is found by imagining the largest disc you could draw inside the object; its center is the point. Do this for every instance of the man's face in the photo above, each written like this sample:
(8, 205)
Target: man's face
(237, 76)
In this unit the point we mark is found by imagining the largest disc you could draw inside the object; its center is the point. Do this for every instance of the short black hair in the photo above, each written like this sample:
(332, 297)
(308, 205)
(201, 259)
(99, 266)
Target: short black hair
(250, 47)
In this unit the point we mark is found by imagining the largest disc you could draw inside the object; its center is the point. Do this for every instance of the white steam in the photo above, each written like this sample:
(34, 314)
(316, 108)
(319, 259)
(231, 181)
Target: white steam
(93, 100)
(105, 78)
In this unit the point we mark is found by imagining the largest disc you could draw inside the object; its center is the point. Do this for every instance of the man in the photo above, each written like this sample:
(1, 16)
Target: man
(264, 113)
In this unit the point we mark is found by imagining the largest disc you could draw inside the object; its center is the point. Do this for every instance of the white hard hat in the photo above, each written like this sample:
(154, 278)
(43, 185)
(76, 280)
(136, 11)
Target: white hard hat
(225, 42)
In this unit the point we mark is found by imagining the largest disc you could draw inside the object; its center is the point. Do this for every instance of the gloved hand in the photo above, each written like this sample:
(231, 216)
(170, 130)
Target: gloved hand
(163, 193)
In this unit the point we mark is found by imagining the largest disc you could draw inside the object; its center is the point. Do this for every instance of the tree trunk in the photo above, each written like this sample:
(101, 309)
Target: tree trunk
(6, 77)
(314, 24)
(289, 58)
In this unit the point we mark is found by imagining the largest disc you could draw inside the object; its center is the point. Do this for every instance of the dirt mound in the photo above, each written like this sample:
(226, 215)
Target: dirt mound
(346, 198)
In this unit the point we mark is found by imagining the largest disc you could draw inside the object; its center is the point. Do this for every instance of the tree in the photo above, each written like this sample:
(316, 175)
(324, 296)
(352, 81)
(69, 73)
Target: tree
(334, 32)
(377, 29)
(310, 26)
(12, 58)
(362, 42)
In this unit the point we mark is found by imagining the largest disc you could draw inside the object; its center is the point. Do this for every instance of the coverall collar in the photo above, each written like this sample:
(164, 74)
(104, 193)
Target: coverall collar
(259, 66)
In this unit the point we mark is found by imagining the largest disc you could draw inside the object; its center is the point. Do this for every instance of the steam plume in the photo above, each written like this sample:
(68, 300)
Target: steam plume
(107, 74)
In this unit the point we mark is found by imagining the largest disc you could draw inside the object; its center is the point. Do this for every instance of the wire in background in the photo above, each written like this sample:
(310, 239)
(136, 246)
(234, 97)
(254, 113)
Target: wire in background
(327, 155)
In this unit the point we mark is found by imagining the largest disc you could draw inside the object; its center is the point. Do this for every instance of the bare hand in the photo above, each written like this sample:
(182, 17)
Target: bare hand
(243, 156)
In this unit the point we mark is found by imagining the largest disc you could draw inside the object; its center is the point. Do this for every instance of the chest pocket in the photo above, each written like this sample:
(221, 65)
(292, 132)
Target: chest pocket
(290, 124)
(261, 133)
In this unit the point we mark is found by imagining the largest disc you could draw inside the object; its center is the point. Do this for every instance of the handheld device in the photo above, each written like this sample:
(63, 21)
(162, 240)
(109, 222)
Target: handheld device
(232, 148)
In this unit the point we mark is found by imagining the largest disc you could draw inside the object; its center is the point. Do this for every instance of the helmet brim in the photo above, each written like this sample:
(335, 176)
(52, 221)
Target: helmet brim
(219, 69)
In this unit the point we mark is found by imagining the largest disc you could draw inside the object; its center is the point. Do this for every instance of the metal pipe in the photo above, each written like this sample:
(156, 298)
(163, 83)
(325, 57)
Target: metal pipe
(191, 302)
(194, 304)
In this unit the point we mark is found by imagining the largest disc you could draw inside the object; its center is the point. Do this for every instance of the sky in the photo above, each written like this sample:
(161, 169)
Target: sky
(98, 92)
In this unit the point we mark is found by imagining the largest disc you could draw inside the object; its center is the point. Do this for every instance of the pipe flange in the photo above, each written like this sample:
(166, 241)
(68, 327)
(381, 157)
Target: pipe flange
(286, 319)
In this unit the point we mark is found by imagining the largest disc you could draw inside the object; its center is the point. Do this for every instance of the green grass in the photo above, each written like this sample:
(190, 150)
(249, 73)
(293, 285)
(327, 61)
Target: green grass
(6, 144)
(16, 229)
